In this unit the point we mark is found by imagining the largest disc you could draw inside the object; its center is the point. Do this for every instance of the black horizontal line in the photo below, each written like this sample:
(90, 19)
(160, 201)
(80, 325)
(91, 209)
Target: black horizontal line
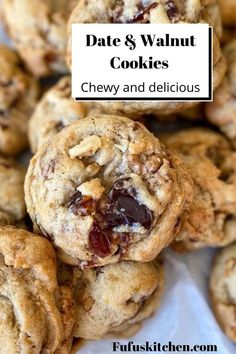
(143, 99)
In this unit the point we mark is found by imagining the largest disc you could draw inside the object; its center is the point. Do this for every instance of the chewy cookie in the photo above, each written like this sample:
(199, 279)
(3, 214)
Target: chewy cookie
(39, 32)
(18, 97)
(223, 290)
(105, 189)
(12, 203)
(55, 110)
(116, 298)
(222, 111)
(157, 11)
(210, 219)
(36, 315)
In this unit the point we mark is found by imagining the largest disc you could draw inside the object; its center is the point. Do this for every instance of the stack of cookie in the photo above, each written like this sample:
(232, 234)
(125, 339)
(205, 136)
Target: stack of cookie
(104, 196)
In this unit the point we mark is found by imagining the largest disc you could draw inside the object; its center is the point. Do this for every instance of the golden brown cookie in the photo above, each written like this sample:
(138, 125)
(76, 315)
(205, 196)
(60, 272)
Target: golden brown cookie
(56, 110)
(39, 32)
(210, 218)
(105, 189)
(116, 298)
(36, 316)
(18, 97)
(223, 290)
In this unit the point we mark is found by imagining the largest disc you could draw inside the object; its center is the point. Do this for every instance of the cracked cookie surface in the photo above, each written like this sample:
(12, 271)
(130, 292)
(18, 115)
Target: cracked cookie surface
(210, 218)
(39, 32)
(56, 110)
(223, 290)
(36, 315)
(116, 298)
(161, 11)
(105, 189)
(18, 97)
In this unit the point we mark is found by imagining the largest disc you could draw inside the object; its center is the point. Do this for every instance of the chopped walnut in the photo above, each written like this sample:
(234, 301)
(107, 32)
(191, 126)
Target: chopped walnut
(92, 188)
(106, 154)
(140, 146)
(86, 148)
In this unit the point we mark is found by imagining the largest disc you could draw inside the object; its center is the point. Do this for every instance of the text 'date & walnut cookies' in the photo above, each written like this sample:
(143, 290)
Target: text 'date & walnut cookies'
(210, 219)
(116, 298)
(223, 290)
(105, 189)
(155, 12)
(36, 315)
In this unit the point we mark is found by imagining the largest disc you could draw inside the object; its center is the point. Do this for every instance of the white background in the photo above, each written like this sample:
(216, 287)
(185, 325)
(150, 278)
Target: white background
(187, 65)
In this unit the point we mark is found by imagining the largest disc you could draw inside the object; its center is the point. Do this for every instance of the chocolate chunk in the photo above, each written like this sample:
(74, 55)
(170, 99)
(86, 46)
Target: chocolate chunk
(124, 209)
(82, 205)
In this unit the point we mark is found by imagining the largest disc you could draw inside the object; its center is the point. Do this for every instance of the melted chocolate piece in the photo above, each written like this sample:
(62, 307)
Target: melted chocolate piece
(75, 201)
(82, 205)
(124, 209)
(99, 242)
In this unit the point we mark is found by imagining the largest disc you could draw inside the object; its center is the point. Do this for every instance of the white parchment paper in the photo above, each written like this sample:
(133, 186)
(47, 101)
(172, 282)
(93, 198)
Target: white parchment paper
(185, 316)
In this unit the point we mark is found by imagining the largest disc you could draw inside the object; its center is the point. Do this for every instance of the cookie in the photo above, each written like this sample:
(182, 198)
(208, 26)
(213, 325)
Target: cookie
(116, 298)
(105, 189)
(136, 11)
(210, 218)
(228, 11)
(36, 315)
(223, 290)
(55, 110)
(12, 203)
(222, 111)
(39, 32)
(18, 97)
